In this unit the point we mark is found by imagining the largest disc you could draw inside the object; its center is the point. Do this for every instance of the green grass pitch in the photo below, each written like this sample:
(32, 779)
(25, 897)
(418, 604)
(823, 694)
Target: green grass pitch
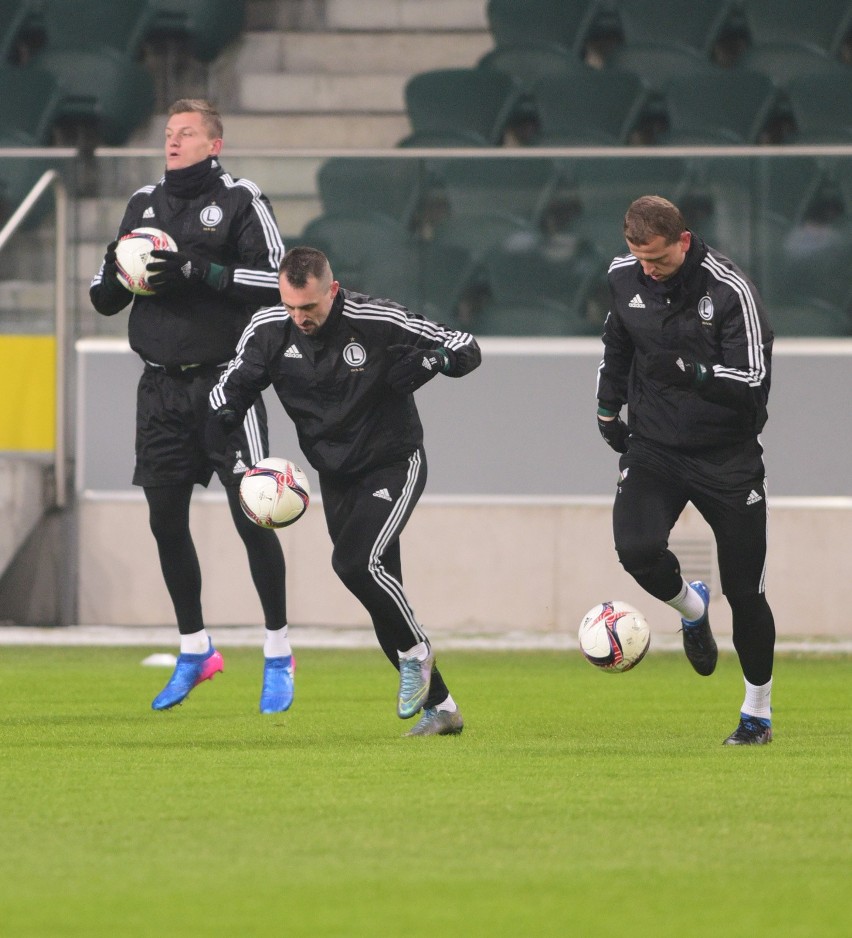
(575, 803)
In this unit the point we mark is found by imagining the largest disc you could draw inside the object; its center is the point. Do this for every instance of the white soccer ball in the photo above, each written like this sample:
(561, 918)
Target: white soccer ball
(133, 254)
(614, 636)
(274, 493)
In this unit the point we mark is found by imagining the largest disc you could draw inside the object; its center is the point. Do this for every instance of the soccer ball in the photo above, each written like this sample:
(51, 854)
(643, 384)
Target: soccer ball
(133, 254)
(274, 493)
(614, 636)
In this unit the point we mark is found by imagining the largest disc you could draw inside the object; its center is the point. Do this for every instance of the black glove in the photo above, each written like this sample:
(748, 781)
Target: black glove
(674, 369)
(173, 269)
(614, 432)
(218, 428)
(416, 366)
(109, 277)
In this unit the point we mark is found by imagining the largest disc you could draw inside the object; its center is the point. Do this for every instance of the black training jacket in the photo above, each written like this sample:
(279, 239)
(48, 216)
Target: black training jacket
(711, 313)
(230, 223)
(333, 384)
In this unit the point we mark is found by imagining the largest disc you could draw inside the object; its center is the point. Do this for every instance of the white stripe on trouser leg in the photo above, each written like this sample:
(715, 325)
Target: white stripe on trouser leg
(377, 570)
(251, 425)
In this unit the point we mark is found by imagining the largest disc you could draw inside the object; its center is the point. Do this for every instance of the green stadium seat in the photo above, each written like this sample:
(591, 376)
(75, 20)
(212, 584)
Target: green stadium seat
(697, 27)
(568, 23)
(784, 61)
(206, 26)
(91, 53)
(518, 185)
(471, 103)
(535, 316)
(14, 15)
(529, 61)
(481, 232)
(368, 251)
(605, 189)
(29, 105)
(825, 24)
(590, 107)
(821, 106)
(389, 185)
(721, 106)
(806, 317)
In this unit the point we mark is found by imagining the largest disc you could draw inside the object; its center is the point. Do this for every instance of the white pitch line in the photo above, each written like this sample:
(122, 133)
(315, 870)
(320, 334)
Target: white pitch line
(330, 637)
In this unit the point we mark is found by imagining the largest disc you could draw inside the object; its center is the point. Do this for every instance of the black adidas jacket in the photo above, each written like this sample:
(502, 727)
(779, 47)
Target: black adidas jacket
(229, 223)
(332, 384)
(709, 312)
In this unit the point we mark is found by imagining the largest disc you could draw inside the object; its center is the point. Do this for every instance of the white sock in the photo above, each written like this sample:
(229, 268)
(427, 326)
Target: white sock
(277, 644)
(688, 603)
(449, 705)
(757, 700)
(198, 643)
(420, 652)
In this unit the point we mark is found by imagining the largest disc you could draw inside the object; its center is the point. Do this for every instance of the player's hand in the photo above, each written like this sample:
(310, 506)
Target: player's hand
(415, 366)
(614, 432)
(218, 428)
(173, 269)
(674, 369)
(110, 272)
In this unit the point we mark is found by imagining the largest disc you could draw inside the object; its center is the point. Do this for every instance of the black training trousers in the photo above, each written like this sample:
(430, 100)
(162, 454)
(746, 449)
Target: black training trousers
(365, 516)
(728, 488)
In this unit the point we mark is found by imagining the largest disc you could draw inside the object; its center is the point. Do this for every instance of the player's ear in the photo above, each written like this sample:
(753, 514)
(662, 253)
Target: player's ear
(216, 146)
(335, 286)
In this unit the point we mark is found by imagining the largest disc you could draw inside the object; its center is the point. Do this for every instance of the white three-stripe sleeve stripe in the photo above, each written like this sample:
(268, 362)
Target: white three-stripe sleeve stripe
(274, 244)
(272, 314)
(754, 334)
(424, 327)
(389, 531)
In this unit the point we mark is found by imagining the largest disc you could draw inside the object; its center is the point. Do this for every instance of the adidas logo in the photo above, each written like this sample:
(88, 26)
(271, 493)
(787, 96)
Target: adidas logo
(293, 352)
(383, 493)
(636, 302)
(753, 498)
(427, 363)
(239, 466)
(148, 213)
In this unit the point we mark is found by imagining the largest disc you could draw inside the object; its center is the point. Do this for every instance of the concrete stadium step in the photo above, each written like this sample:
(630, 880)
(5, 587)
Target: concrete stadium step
(295, 131)
(357, 52)
(405, 14)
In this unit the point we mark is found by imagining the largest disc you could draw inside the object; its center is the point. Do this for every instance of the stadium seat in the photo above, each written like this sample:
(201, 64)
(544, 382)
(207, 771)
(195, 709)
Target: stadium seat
(588, 106)
(825, 24)
(721, 106)
(91, 54)
(369, 252)
(14, 15)
(28, 105)
(821, 107)
(568, 23)
(695, 28)
(540, 272)
(389, 185)
(532, 317)
(785, 61)
(605, 189)
(471, 103)
(207, 26)
(481, 232)
(529, 61)
(518, 185)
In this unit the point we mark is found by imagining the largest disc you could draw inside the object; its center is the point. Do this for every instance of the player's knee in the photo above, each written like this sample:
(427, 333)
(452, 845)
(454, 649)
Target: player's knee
(638, 557)
(351, 569)
(167, 527)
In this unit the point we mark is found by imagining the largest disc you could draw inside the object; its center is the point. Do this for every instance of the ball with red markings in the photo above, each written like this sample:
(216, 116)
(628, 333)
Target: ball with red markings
(614, 636)
(274, 493)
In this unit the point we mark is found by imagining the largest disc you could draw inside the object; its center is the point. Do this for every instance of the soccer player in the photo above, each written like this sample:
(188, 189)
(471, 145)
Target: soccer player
(225, 268)
(687, 347)
(346, 366)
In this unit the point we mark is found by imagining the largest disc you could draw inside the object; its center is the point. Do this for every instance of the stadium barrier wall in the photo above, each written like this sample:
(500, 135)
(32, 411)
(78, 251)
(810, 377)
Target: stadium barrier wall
(514, 532)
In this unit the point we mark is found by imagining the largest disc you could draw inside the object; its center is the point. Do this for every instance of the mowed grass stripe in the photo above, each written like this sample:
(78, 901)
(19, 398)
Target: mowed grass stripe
(575, 802)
